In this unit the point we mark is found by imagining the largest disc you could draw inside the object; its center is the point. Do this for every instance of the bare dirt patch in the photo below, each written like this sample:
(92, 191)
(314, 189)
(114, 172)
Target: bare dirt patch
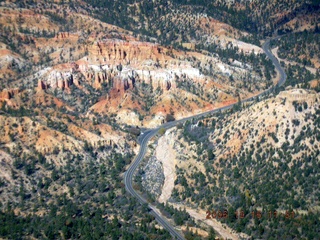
(166, 154)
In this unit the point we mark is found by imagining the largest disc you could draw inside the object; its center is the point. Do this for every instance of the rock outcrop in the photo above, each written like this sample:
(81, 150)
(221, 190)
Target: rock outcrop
(7, 94)
(299, 95)
(61, 77)
(41, 85)
(119, 51)
(64, 76)
(153, 178)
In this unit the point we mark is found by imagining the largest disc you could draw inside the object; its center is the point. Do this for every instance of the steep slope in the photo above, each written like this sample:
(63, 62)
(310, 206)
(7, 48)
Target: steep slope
(96, 67)
(257, 17)
(261, 161)
(61, 174)
(77, 80)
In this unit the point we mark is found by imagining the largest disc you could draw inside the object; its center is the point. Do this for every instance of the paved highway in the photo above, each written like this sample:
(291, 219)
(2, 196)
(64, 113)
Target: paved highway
(144, 138)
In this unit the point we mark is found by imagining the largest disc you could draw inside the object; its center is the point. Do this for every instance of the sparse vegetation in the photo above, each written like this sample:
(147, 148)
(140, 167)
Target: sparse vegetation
(70, 110)
(264, 175)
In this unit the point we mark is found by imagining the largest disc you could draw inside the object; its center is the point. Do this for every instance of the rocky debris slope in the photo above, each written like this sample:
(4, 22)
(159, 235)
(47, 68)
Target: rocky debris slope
(153, 178)
(227, 161)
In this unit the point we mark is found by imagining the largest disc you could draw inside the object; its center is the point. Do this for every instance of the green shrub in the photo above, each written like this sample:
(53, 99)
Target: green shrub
(162, 131)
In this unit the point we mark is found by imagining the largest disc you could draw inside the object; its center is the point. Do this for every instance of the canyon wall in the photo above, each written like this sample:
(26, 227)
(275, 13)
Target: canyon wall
(117, 63)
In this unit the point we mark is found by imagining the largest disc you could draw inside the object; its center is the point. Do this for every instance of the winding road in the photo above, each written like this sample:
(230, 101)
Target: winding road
(144, 138)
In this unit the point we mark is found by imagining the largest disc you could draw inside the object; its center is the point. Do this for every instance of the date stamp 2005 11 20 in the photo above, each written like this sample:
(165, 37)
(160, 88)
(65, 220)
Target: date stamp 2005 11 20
(220, 214)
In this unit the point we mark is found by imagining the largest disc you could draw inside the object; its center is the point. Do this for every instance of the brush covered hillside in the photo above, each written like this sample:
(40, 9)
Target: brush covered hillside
(262, 161)
(101, 69)
(79, 78)
(298, 53)
(179, 19)
(71, 88)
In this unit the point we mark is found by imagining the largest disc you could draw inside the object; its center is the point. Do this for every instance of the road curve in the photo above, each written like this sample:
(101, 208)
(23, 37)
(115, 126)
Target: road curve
(128, 175)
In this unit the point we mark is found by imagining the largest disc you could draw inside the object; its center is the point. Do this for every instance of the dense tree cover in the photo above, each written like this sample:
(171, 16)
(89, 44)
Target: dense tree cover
(297, 75)
(76, 222)
(254, 17)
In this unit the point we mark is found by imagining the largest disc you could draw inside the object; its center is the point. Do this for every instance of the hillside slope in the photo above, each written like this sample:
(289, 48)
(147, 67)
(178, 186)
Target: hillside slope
(96, 67)
(80, 80)
(263, 159)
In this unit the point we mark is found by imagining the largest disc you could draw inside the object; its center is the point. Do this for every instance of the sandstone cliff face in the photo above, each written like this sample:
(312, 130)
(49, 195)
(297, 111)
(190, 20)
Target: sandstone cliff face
(112, 70)
(56, 79)
(119, 51)
(7, 94)
(117, 63)
(299, 95)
